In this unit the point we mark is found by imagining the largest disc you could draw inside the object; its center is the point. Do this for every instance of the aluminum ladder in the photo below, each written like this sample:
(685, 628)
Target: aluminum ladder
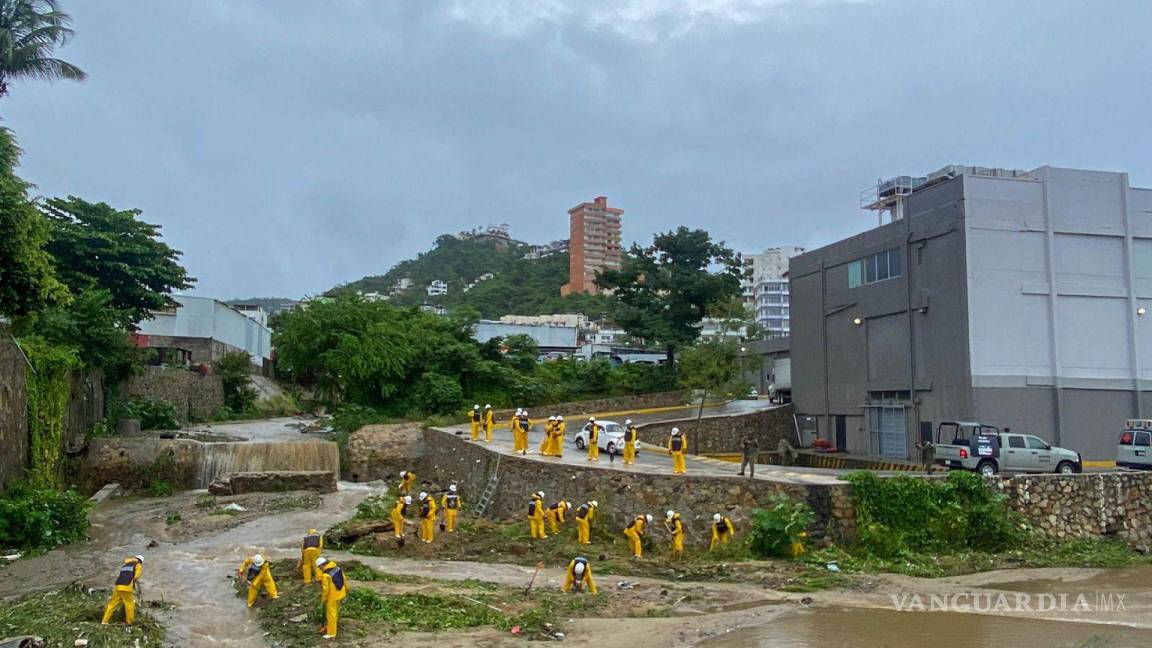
(489, 490)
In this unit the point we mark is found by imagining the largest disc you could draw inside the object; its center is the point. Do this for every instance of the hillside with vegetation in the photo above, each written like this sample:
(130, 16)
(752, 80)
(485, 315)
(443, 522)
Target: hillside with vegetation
(518, 286)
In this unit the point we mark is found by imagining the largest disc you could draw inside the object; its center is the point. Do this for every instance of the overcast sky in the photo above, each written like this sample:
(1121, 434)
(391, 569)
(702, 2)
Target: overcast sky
(290, 145)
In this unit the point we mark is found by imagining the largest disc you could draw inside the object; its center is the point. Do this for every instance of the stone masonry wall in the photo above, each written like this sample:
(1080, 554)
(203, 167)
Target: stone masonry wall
(722, 434)
(1085, 505)
(13, 410)
(382, 451)
(622, 494)
(639, 401)
(196, 396)
(126, 460)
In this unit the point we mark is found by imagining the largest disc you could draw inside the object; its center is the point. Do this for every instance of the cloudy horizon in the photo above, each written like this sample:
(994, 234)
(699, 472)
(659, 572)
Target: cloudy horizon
(286, 150)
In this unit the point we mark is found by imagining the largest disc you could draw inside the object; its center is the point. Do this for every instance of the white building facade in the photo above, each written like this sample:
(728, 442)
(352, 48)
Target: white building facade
(766, 291)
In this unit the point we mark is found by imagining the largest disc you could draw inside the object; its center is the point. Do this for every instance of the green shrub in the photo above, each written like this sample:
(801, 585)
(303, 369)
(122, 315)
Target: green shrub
(160, 477)
(374, 507)
(773, 530)
(153, 413)
(898, 515)
(235, 370)
(32, 518)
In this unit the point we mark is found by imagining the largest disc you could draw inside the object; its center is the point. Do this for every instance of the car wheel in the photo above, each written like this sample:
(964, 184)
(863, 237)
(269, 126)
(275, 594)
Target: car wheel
(987, 468)
(1066, 468)
(579, 443)
(611, 448)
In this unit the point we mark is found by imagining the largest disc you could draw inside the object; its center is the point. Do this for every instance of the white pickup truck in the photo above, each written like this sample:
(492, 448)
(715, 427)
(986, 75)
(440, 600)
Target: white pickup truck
(987, 450)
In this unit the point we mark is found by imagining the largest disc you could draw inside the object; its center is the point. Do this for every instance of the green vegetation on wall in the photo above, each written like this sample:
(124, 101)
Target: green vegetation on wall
(48, 388)
(40, 518)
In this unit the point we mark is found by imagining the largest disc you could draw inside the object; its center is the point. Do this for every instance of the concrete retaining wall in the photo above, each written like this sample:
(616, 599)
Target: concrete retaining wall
(719, 435)
(382, 451)
(622, 494)
(196, 396)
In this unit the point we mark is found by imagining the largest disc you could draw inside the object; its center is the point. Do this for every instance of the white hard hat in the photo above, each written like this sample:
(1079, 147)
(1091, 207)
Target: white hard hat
(476, 406)
(258, 560)
(648, 518)
(320, 561)
(452, 488)
(717, 517)
(551, 418)
(594, 503)
(403, 474)
(139, 558)
(525, 412)
(407, 499)
(628, 422)
(670, 514)
(488, 406)
(540, 494)
(423, 495)
(591, 418)
(559, 418)
(518, 410)
(675, 430)
(578, 568)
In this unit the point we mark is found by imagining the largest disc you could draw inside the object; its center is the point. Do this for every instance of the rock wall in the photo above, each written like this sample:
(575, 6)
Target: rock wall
(722, 434)
(623, 494)
(13, 410)
(1085, 505)
(603, 405)
(382, 451)
(196, 396)
(85, 408)
(129, 462)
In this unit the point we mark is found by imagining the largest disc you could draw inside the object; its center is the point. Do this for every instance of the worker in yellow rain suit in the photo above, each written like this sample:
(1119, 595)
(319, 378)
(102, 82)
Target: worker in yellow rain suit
(630, 441)
(722, 531)
(558, 437)
(635, 531)
(124, 592)
(676, 529)
(536, 516)
(427, 518)
(398, 513)
(514, 425)
(579, 574)
(546, 443)
(309, 552)
(451, 504)
(333, 589)
(256, 573)
(677, 446)
(584, 516)
(593, 439)
(489, 422)
(525, 427)
(407, 481)
(476, 418)
(555, 515)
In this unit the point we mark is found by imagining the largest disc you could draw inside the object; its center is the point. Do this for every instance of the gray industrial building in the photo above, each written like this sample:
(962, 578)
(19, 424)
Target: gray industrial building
(1015, 298)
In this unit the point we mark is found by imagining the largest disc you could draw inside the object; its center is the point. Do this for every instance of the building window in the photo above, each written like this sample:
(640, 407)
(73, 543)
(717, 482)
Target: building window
(875, 267)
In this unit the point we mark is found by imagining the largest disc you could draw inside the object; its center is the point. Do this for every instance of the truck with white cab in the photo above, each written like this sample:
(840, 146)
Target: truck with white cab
(964, 445)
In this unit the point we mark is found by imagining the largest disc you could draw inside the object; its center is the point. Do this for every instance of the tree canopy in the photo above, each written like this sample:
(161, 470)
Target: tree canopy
(96, 246)
(27, 278)
(30, 32)
(662, 291)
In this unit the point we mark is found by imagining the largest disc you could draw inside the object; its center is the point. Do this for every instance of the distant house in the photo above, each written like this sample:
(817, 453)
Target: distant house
(437, 287)
(203, 330)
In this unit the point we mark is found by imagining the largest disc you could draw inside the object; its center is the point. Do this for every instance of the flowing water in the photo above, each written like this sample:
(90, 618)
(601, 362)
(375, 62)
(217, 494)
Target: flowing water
(257, 456)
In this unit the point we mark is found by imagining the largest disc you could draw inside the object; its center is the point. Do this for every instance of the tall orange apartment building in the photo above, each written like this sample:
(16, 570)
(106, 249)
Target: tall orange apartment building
(594, 244)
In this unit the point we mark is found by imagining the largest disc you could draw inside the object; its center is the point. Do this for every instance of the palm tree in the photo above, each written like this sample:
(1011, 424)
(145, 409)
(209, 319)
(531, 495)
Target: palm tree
(29, 31)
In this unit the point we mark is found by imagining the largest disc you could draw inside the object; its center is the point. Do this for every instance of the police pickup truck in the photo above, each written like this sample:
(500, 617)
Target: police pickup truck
(1135, 447)
(987, 450)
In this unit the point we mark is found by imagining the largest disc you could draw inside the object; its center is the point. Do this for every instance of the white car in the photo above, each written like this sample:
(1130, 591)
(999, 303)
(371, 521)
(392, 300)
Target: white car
(611, 439)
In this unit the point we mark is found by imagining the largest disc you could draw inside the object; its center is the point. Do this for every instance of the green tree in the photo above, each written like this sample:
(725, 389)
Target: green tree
(662, 291)
(27, 279)
(235, 370)
(98, 247)
(90, 328)
(30, 31)
(709, 367)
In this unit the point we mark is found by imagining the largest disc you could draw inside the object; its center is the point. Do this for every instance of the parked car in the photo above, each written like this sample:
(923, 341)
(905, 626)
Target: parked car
(611, 439)
(1135, 443)
(987, 450)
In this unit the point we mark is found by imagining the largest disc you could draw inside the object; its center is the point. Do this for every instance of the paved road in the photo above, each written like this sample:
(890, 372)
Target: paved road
(656, 460)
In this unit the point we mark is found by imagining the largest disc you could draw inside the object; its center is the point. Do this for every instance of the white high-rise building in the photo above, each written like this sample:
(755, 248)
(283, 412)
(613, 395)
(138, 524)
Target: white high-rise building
(765, 288)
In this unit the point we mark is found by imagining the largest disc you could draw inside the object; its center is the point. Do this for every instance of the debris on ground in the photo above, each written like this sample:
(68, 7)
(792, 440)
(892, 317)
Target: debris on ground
(626, 585)
(234, 507)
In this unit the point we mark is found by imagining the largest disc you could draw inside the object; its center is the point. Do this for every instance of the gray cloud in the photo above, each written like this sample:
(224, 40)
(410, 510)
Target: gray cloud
(286, 148)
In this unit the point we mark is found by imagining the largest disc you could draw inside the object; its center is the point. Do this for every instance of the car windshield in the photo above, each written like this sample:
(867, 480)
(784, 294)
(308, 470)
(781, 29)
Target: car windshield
(612, 428)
